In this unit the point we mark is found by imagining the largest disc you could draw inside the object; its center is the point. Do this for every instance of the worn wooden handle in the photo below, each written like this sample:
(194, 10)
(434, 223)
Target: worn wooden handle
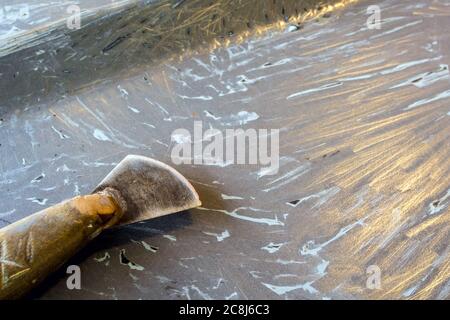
(34, 247)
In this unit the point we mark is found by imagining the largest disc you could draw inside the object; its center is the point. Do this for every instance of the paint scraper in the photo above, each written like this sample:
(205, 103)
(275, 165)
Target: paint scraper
(137, 189)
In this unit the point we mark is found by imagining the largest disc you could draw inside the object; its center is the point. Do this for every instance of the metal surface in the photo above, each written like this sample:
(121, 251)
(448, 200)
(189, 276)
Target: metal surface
(149, 188)
(364, 158)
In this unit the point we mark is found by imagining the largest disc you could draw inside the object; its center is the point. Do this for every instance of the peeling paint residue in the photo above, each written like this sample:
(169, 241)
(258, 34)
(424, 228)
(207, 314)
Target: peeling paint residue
(363, 181)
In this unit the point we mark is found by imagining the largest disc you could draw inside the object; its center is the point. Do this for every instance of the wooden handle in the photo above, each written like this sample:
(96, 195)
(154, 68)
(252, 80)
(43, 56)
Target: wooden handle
(34, 247)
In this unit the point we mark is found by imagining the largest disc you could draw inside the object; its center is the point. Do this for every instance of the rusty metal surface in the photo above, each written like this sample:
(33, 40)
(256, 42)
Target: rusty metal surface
(364, 162)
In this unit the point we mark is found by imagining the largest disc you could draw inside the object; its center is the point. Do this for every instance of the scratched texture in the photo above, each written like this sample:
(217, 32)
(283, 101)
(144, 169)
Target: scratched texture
(26, 23)
(364, 119)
